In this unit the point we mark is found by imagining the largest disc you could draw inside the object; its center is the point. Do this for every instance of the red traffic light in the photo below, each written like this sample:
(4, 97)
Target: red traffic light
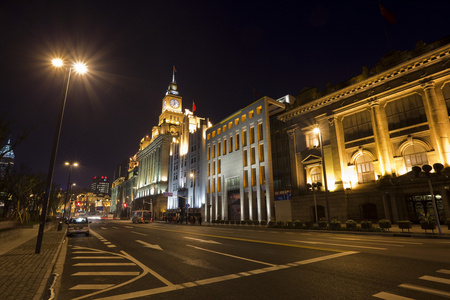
(124, 205)
(78, 203)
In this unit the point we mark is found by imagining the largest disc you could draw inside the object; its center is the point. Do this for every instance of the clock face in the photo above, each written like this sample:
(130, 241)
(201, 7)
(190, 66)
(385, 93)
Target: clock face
(174, 103)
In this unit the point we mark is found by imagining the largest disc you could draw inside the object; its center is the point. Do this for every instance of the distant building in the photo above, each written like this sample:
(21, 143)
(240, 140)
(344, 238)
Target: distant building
(239, 164)
(6, 159)
(100, 185)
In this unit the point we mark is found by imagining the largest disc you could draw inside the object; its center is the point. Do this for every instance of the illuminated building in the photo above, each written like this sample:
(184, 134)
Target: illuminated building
(187, 155)
(6, 159)
(100, 185)
(375, 127)
(239, 166)
(154, 154)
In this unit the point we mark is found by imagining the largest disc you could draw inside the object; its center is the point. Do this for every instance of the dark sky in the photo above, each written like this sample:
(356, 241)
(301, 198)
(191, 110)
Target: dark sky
(222, 51)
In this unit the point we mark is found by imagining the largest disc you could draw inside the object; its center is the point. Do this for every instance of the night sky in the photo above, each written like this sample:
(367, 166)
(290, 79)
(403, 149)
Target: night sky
(222, 51)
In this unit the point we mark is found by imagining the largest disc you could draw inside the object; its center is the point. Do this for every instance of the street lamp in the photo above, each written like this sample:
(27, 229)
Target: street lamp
(80, 69)
(317, 131)
(70, 165)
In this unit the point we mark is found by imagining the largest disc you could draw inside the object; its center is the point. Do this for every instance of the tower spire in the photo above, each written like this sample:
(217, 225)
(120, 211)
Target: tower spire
(173, 75)
(172, 89)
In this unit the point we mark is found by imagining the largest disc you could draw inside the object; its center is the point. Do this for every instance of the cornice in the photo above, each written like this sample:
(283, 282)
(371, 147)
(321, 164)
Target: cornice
(440, 54)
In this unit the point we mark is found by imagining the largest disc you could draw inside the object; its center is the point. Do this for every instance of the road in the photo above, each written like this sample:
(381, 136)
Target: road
(121, 260)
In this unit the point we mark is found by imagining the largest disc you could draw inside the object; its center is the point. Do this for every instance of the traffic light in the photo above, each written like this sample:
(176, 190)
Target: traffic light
(78, 203)
(125, 205)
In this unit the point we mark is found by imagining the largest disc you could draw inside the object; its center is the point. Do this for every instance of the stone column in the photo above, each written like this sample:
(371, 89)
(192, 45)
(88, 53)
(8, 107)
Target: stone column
(340, 145)
(382, 140)
(293, 158)
(438, 121)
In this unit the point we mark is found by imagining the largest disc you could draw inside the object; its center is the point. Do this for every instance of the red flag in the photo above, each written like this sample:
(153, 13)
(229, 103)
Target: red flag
(193, 106)
(390, 17)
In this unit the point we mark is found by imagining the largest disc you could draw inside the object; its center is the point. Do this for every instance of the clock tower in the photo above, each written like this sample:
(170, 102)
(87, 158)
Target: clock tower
(172, 112)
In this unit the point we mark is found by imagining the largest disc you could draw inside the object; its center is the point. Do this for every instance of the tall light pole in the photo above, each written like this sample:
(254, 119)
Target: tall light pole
(70, 165)
(79, 68)
(317, 131)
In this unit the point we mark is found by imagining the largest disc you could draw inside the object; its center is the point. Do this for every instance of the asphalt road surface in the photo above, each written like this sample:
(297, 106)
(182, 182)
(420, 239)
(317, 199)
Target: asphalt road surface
(121, 260)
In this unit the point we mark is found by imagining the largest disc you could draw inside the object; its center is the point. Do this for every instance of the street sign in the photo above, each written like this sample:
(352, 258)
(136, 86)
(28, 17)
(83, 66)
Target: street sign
(168, 194)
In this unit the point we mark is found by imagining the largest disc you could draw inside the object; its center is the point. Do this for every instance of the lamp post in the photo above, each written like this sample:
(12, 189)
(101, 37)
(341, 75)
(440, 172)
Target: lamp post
(71, 165)
(79, 68)
(427, 169)
(317, 131)
(70, 199)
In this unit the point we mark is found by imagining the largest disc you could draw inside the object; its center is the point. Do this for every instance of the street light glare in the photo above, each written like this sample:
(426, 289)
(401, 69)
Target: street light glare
(75, 164)
(316, 130)
(80, 68)
(57, 62)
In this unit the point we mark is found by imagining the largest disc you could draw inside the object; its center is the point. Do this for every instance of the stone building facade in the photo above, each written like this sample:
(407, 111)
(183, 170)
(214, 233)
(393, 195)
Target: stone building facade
(375, 127)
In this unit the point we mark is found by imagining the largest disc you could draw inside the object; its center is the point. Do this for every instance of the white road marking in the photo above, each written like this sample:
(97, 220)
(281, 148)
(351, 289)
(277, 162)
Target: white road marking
(425, 290)
(128, 226)
(147, 245)
(139, 233)
(443, 271)
(97, 257)
(111, 246)
(103, 264)
(104, 228)
(435, 279)
(203, 241)
(340, 245)
(106, 274)
(378, 240)
(233, 256)
(91, 286)
(388, 296)
(115, 227)
(169, 288)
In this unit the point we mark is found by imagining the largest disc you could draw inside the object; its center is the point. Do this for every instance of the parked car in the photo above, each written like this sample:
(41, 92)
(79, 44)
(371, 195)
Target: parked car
(78, 225)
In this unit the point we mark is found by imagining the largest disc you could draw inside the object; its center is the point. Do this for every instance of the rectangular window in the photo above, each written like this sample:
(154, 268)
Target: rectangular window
(236, 122)
(214, 168)
(243, 117)
(213, 133)
(219, 166)
(253, 176)
(252, 135)
(218, 131)
(261, 152)
(258, 110)
(230, 148)
(208, 153)
(218, 149)
(262, 175)
(250, 114)
(260, 132)
(208, 186)
(208, 136)
(357, 126)
(244, 138)
(252, 155)
(224, 128)
(213, 186)
(245, 178)
(208, 170)
(219, 184)
(236, 143)
(230, 125)
(312, 140)
(224, 147)
(214, 151)
(244, 158)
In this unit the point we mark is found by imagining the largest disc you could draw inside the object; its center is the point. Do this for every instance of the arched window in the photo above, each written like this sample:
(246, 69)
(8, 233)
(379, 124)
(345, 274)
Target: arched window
(316, 175)
(364, 167)
(415, 155)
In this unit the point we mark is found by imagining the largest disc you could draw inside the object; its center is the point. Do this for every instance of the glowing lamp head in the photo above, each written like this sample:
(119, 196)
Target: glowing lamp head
(80, 68)
(316, 130)
(57, 62)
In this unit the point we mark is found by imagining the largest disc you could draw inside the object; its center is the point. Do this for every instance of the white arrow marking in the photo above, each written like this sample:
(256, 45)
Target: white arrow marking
(156, 247)
(203, 241)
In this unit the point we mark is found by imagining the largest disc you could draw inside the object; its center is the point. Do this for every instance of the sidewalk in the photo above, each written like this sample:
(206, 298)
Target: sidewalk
(25, 275)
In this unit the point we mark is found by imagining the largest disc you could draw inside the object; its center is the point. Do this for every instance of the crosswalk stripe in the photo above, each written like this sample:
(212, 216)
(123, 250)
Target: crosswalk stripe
(444, 271)
(106, 274)
(389, 296)
(91, 286)
(97, 257)
(435, 279)
(425, 290)
(103, 264)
